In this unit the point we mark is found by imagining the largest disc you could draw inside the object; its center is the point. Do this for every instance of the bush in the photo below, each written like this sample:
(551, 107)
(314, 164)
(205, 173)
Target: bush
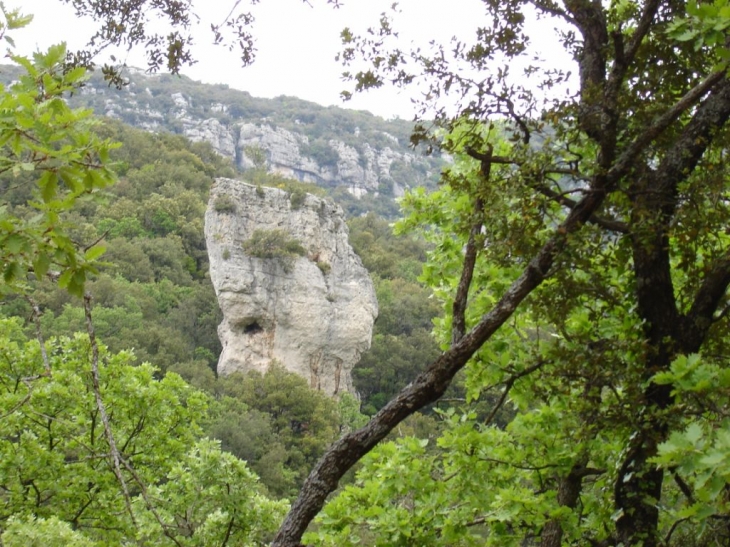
(297, 197)
(224, 204)
(274, 244)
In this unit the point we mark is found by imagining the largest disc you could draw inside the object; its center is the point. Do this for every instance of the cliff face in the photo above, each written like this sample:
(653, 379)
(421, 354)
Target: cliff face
(312, 310)
(330, 146)
(361, 172)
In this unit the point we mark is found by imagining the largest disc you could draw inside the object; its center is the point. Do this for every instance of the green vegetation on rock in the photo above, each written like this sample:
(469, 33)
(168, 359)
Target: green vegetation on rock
(276, 245)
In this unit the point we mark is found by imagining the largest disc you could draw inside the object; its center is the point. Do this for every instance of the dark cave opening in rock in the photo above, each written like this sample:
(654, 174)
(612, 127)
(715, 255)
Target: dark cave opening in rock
(252, 328)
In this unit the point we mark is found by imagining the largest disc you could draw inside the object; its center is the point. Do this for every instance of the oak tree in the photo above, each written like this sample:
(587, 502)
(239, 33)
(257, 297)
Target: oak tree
(581, 248)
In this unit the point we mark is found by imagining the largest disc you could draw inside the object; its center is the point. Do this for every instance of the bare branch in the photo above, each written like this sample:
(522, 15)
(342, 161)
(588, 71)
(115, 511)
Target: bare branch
(508, 386)
(113, 452)
(683, 486)
(39, 334)
(668, 537)
(96, 242)
(606, 223)
(642, 29)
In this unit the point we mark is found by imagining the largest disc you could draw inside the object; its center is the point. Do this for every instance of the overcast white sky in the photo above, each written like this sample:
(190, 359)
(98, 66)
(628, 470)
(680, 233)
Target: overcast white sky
(296, 44)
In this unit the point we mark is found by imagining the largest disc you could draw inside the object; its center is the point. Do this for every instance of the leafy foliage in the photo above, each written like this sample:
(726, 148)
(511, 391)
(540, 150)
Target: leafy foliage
(152, 292)
(276, 423)
(571, 363)
(56, 467)
(50, 154)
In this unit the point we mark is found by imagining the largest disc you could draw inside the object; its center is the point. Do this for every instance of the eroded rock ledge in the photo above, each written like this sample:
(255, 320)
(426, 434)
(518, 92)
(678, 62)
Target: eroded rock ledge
(312, 310)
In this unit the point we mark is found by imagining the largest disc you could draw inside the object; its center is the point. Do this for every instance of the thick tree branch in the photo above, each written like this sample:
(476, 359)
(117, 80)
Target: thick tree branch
(461, 298)
(714, 287)
(642, 29)
(688, 150)
(654, 197)
(625, 55)
(569, 489)
(590, 19)
(625, 162)
(470, 257)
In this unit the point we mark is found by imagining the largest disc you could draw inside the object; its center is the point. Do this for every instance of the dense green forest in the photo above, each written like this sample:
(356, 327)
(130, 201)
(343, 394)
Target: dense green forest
(153, 293)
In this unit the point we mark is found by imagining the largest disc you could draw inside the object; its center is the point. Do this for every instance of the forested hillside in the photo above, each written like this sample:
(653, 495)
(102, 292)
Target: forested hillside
(153, 296)
(352, 153)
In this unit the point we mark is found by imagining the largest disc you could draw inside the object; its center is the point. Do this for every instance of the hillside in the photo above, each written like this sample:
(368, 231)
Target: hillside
(351, 153)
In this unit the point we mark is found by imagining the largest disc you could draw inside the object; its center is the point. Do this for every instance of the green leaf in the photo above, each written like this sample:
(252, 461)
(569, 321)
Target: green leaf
(12, 272)
(94, 253)
(49, 186)
(14, 243)
(65, 278)
(41, 264)
(693, 433)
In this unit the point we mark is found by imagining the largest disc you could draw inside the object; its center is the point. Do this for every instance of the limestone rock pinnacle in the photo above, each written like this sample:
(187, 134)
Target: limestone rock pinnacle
(311, 309)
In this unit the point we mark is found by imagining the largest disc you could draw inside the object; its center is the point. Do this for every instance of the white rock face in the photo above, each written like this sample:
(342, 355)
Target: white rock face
(380, 166)
(360, 172)
(211, 131)
(282, 147)
(314, 315)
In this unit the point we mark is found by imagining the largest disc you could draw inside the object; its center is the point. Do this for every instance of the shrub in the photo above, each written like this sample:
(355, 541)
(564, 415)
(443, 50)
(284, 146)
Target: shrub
(224, 204)
(297, 197)
(274, 244)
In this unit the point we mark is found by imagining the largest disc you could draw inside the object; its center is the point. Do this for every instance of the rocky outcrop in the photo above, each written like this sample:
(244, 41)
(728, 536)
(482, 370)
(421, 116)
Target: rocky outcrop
(282, 150)
(312, 310)
(220, 137)
(360, 171)
(329, 147)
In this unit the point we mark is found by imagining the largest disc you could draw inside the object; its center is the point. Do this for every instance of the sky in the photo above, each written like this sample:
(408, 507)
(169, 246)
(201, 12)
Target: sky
(296, 44)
